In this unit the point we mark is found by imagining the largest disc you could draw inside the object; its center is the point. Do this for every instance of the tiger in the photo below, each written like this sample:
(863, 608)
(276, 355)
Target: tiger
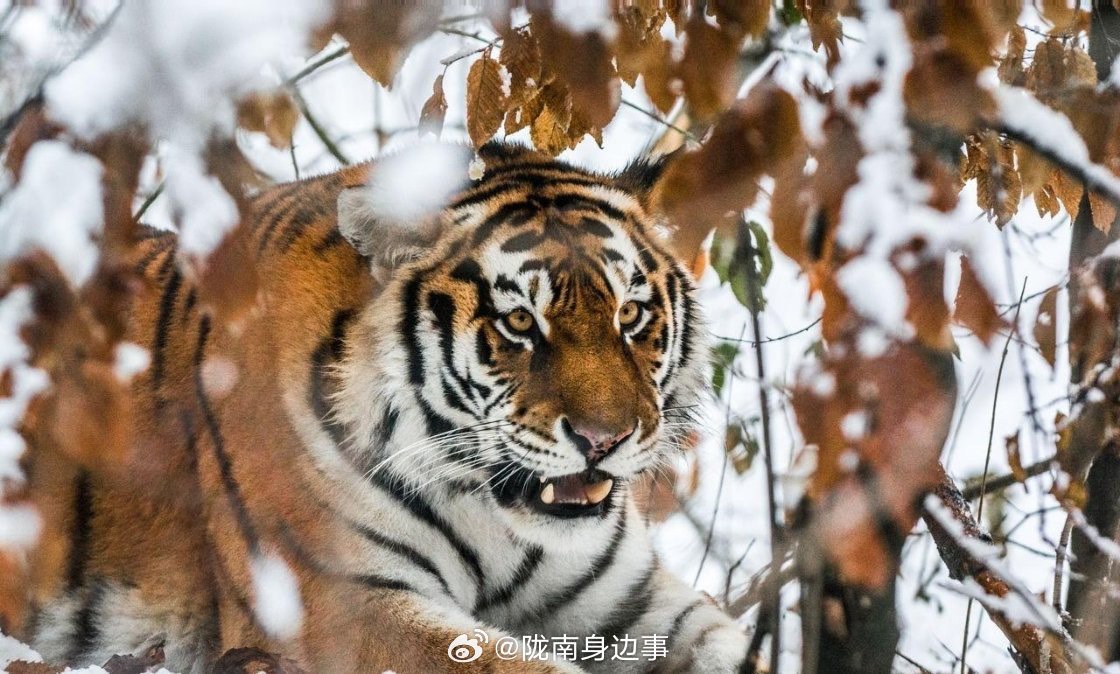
(431, 430)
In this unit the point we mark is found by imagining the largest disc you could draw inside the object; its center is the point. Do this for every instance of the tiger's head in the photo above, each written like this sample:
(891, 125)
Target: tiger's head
(536, 341)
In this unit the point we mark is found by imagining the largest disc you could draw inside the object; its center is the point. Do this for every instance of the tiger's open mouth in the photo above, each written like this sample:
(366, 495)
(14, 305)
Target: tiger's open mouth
(577, 495)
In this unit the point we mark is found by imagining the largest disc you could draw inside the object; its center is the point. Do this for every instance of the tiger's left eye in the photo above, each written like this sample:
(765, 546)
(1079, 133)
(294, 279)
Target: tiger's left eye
(519, 320)
(629, 314)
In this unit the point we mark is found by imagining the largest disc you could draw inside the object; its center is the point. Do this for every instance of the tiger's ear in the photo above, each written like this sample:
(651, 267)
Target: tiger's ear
(386, 241)
(642, 178)
(394, 214)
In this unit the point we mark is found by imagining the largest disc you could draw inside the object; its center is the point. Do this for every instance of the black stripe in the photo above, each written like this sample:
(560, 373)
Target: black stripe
(225, 464)
(328, 350)
(533, 558)
(598, 566)
(678, 622)
(375, 582)
(161, 245)
(80, 531)
(275, 219)
(522, 242)
(408, 552)
(612, 255)
(86, 629)
(455, 391)
(499, 217)
(192, 299)
(163, 319)
(632, 607)
(332, 239)
(408, 326)
(469, 271)
(301, 220)
(420, 509)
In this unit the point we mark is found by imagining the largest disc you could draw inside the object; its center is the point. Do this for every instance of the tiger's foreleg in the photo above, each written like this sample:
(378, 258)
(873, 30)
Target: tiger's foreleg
(698, 635)
(364, 629)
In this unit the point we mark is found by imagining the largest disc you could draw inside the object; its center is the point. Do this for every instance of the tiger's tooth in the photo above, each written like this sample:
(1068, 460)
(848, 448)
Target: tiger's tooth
(548, 494)
(598, 491)
(542, 478)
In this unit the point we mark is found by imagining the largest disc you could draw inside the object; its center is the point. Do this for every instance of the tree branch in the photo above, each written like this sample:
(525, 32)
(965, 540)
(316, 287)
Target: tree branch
(1043, 650)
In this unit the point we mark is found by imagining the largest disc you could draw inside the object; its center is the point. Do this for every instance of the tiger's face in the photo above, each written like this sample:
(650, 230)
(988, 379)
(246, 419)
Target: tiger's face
(549, 340)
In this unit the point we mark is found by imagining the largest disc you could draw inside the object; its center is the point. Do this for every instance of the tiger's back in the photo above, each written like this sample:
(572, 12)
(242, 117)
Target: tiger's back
(136, 549)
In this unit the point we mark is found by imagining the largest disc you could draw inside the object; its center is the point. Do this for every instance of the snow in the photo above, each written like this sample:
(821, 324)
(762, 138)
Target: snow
(413, 184)
(876, 292)
(277, 602)
(1052, 131)
(854, 425)
(585, 16)
(175, 68)
(476, 169)
(19, 523)
(204, 211)
(129, 360)
(32, 216)
(11, 650)
(219, 376)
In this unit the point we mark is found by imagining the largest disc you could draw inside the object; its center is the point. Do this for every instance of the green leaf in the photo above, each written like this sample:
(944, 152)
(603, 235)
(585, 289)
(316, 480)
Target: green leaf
(789, 14)
(723, 355)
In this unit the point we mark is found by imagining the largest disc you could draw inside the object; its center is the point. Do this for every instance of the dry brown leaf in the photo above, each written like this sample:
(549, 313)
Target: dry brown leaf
(823, 18)
(273, 113)
(707, 68)
(1068, 190)
(789, 207)
(1060, 14)
(942, 90)
(1103, 212)
(1034, 171)
(902, 424)
(975, 308)
(548, 134)
(748, 16)
(434, 110)
(1014, 458)
(584, 62)
(579, 127)
(1046, 326)
(556, 98)
(926, 308)
(1047, 202)
(750, 139)
(521, 56)
(1057, 68)
(998, 186)
(486, 101)
(1011, 65)
(380, 33)
(522, 116)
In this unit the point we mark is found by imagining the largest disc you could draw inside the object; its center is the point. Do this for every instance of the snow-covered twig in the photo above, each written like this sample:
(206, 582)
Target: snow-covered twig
(1033, 629)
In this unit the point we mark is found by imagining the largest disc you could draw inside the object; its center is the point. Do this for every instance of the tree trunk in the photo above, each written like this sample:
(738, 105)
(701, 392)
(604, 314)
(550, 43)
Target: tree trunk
(1093, 612)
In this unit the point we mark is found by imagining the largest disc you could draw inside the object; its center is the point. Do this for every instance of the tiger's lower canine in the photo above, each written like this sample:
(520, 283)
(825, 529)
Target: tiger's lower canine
(423, 429)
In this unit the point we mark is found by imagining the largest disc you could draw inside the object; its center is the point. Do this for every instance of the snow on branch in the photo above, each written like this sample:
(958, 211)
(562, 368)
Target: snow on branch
(1032, 627)
(1025, 119)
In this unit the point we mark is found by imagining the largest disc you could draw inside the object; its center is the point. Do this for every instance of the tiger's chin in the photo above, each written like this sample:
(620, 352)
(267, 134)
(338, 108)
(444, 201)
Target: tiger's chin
(588, 494)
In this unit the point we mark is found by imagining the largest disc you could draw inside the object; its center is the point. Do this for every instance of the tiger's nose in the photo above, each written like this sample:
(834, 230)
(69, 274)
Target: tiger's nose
(594, 443)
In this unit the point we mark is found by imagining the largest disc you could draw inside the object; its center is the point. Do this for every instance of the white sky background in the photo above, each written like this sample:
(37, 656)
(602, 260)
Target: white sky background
(351, 107)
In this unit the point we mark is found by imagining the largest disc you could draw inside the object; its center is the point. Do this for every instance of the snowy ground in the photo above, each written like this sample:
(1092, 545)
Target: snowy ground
(354, 110)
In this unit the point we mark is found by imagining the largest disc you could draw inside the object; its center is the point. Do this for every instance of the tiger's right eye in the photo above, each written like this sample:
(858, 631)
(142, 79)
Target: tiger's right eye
(519, 320)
